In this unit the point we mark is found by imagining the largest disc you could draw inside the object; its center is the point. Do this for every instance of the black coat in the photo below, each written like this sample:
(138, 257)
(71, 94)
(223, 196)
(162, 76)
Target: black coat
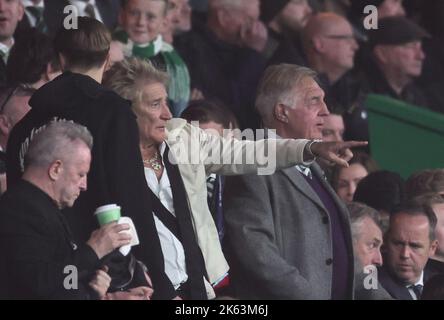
(36, 247)
(116, 174)
(223, 72)
(2, 72)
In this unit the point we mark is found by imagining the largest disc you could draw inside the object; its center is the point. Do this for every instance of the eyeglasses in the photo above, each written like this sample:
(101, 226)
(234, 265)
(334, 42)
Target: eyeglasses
(348, 37)
(18, 90)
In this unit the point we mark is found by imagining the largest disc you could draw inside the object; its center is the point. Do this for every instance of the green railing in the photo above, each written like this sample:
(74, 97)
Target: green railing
(405, 138)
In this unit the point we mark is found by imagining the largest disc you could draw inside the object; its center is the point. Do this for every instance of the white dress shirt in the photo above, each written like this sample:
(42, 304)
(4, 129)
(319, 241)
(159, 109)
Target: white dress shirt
(5, 50)
(172, 248)
(420, 282)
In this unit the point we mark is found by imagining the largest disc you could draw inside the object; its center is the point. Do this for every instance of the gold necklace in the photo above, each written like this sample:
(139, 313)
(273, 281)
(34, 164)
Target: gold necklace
(154, 162)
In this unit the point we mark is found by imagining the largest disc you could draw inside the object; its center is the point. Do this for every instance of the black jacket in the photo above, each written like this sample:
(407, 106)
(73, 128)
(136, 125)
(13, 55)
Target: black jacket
(36, 248)
(116, 174)
(223, 72)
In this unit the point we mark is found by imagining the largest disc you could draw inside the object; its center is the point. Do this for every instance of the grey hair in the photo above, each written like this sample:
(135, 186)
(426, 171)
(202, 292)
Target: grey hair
(358, 212)
(56, 141)
(127, 78)
(277, 86)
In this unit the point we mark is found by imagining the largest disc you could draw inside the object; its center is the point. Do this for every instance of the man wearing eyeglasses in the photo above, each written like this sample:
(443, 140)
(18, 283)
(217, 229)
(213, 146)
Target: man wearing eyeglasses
(330, 47)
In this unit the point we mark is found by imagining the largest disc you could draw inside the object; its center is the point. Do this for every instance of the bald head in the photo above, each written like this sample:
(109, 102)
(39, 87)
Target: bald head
(325, 23)
(329, 44)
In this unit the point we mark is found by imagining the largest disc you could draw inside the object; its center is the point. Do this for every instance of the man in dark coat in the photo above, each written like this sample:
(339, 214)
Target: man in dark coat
(220, 58)
(411, 241)
(40, 259)
(116, 170)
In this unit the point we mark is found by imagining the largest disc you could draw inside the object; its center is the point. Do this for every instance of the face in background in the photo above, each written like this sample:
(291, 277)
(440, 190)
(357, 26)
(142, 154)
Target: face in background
(152, 114)
(333, 128)
(72, 177)
(239, 18)
(390, 8)
(439, 231)
(338, 45)
(178, 16)
(143, 19)
(11, 12)
(306, 117)
(408, 247)
(13, 111)
(295, 15)
(405, 60)
(367, 244)
(348, 180)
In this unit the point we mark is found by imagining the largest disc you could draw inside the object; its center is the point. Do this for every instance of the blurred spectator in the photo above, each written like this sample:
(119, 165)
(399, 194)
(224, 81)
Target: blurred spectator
(177, 20)
(382, 190)
(366, 233)
(425, 181)
(340, 7)
(34, 17)
(141, 37)
(330, 47)
(333, 129)
(410, 242)
(220, 57)
(13, 107)
(432, 77)
(435, 264)
(386, 8)
(11, 12)
(345, 180)
(285, 19)
(32, 61)
(397, 59)
(367, 240)
(106, 11)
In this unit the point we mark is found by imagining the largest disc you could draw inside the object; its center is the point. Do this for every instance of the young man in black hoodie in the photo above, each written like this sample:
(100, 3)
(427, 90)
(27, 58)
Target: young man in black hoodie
(116, 174)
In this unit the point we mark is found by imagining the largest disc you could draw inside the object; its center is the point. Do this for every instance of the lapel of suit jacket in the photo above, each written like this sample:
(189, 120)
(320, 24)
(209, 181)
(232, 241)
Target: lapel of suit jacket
(302, 185)
(396, 290)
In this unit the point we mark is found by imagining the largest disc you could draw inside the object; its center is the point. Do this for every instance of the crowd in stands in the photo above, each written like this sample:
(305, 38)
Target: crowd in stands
(146, 104)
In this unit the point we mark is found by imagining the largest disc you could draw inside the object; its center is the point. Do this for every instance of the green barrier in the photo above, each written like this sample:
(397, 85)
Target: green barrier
(404, 138)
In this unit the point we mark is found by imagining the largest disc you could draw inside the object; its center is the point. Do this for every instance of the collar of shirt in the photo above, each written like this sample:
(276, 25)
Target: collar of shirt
(306, 171)
(419, 282)
(5, 50)
(29, 3)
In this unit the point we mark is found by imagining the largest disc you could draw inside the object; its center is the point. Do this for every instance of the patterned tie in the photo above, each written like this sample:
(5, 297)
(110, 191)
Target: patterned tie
(417, 289)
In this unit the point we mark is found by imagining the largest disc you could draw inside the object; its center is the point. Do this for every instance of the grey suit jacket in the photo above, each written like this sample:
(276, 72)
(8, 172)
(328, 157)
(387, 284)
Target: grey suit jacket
(279, 237)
